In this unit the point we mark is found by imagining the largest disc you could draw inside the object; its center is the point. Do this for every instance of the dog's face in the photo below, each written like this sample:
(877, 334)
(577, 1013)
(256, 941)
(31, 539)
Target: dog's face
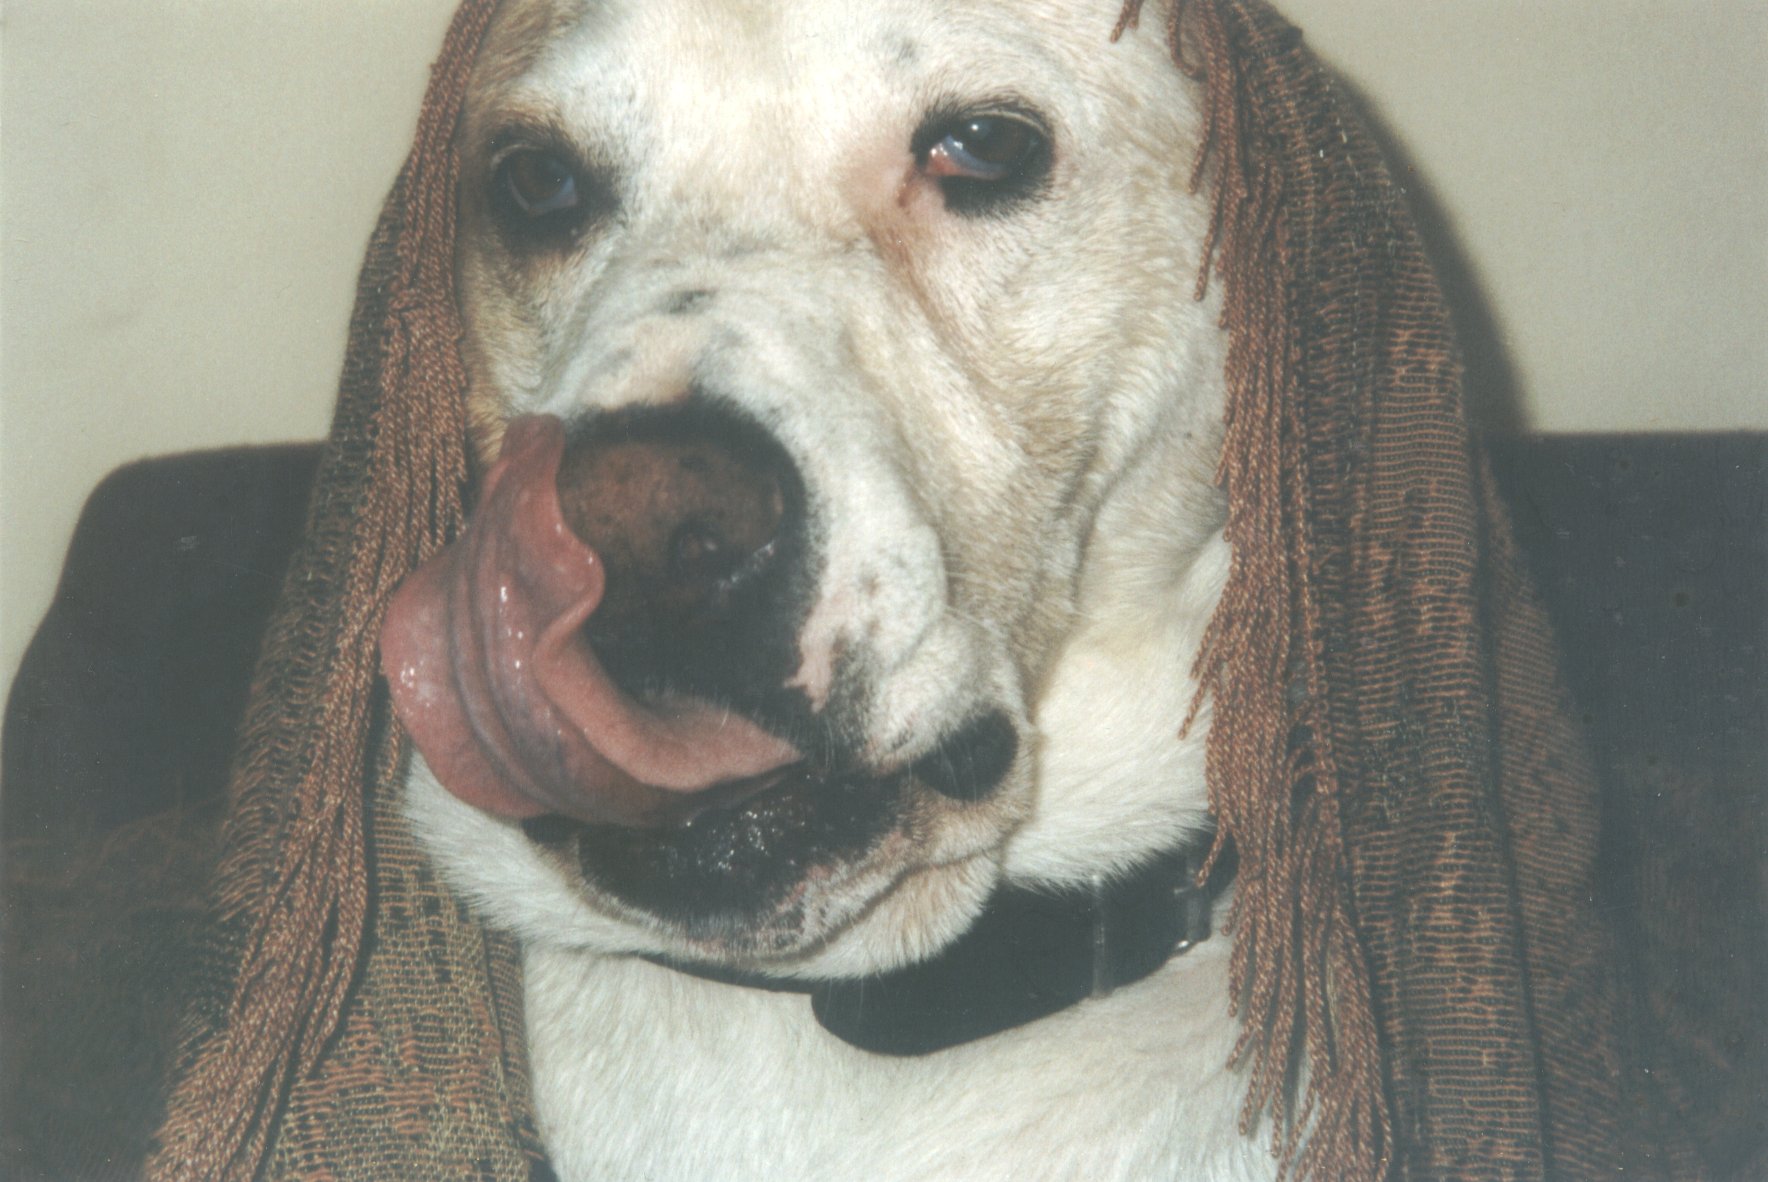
(870, 328)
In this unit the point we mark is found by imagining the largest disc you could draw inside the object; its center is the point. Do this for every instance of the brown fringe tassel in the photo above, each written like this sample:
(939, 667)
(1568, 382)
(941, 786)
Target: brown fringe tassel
(1300, 983)
(308, 913)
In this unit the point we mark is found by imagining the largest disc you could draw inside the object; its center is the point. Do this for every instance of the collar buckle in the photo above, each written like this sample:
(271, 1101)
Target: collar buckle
(1141, 923)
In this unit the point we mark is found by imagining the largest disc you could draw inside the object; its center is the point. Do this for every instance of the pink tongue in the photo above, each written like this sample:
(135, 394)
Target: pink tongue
(490, 673)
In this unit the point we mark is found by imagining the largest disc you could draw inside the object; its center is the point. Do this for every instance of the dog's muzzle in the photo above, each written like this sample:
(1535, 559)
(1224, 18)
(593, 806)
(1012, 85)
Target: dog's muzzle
(607, 654)
(591, 643)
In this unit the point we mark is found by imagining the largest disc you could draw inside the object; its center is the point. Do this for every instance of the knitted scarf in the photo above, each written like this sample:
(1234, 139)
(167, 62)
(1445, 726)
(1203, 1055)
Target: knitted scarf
(1390, 753)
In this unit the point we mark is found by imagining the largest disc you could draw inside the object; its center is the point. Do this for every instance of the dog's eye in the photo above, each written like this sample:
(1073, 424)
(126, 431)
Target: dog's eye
(988, 148)
(545, 198)
(537, 183)
(982, 163)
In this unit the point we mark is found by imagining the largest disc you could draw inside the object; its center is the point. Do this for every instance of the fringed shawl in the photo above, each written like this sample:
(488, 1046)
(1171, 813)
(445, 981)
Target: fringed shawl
(1390, 753)
(353, 1013)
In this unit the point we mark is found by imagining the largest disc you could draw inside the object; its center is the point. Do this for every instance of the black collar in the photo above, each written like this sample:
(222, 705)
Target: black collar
(1029, 954)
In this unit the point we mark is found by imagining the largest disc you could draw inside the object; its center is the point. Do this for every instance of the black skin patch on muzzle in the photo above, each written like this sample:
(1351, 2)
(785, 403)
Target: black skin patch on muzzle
(971, 762)
(732, 871)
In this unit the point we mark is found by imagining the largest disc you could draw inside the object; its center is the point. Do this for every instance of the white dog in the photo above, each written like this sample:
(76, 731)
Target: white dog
(890, 416)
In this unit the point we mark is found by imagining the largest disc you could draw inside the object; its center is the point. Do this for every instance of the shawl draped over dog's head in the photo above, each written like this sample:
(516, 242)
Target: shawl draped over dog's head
(1390, 753)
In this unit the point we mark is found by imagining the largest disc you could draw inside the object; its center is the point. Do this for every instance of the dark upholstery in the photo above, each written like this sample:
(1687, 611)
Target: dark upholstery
(126, 700)
(117, 734)
(1652, 552)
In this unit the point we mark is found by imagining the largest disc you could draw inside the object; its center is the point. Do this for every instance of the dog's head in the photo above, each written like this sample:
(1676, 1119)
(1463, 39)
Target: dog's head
(848, 425)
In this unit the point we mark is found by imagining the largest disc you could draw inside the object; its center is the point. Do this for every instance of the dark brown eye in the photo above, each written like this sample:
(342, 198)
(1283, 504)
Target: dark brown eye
(988, 148)
(537, 183)
(983, 162)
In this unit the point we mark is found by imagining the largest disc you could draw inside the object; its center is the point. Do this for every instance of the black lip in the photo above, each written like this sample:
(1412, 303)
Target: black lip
(733, 863)
(732, 871)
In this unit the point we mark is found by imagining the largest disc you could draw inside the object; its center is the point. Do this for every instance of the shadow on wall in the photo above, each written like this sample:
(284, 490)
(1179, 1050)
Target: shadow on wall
(1490, 384)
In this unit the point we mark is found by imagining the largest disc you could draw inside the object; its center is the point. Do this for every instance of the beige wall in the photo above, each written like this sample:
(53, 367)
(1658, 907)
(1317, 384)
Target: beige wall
(185, 186)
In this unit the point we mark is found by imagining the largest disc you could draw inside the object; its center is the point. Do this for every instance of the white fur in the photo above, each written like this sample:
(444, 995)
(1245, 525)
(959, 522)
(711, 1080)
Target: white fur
(1008, 427)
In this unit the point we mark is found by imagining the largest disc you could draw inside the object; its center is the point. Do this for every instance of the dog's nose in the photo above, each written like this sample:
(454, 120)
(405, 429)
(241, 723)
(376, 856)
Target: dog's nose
(696, 513)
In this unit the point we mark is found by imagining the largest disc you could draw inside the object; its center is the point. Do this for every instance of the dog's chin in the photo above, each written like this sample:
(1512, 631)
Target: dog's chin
(801, 875)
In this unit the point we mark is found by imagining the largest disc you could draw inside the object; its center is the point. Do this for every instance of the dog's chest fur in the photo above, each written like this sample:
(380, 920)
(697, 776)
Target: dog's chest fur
(641, 1072)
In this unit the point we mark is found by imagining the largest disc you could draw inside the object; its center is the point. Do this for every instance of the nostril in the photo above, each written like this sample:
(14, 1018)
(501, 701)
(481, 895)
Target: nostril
(700, 553)
(698, 550)
(970, 763)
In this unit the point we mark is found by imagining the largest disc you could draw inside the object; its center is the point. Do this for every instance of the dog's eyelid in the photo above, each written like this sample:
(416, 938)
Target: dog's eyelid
(585, 161)
(503, 150)
(943, 116)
